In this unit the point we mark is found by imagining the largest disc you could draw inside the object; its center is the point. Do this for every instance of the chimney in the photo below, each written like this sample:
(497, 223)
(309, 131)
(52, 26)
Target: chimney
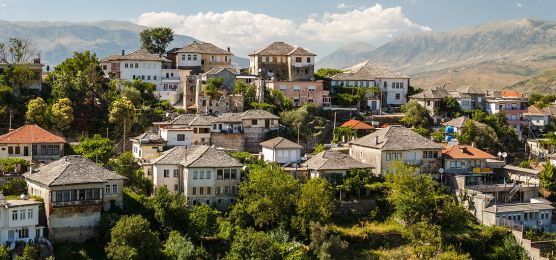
(228, 48)
(123, 52)
(376, 140)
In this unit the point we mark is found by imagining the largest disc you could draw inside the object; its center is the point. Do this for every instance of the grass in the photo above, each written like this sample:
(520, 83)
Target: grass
(90, 249)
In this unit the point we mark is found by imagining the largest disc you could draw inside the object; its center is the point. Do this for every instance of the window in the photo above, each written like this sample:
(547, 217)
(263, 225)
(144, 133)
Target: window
(17, 150)
(201, 190)
(176, 173)
(401, 85)
(233, 173)
(218, 190)
(308, 59)
(10, 150)
(226, 174)
(298, 59)
(23, 233)
(398, 96)
(166, 173)
(195, 176)
(393, 156)
(202, 175)
(136, 65)
(208, 190)
(311, 88)
(309, 100)
(22, 214)
(254, 122)
(188, 56)
(183, 57)
(154, 77)
(126, 65)
(385, 85)
(114, 188)
(14, 215)
(283, 87)
(181, 137)
(226, 190)
(194, 56)
(207, 175)
(194, 191)
(107, 189)
(30, 214)
(149, 77)
(219, 174)
(142, 77)
(296, 88)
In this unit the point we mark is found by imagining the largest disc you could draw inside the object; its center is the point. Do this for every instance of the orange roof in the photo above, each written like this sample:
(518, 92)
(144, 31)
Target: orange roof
(30, 134)
(508, 93)
(357, 125)
(465, 152)
(534, 110)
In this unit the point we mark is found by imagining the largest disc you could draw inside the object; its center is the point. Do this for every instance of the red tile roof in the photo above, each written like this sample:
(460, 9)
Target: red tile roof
(30, 134)
(508, 93)
(357, 125)
(465, 152)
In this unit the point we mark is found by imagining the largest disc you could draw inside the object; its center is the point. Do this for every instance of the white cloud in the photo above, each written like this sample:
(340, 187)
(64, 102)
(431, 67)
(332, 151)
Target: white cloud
(518, 4)
(343, 6)
(241, 30)
(368, 24)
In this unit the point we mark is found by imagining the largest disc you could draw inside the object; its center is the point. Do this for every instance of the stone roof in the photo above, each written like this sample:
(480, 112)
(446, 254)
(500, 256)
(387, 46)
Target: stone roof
(280, 143)
(204, 48)
(228, 118)
(30, 134)
(469, 90)
(258, 114)
(148, 138)
(457, 122)
(282, 49)
(465, 152)
(431, 94)
(396, 138)
(192, 120)
(208, 120)
(216, 70)
(457, 94)
(139, 55)
(72, 170)
(197, 157)
(368, 70)
(333, 160)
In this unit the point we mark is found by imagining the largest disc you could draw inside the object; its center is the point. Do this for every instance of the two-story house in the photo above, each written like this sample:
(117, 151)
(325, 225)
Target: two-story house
(32, 143)
(538, 118)
(465, 165)
(148, 145)
(512, 103)
(281, 150)
(396, 144)
(75, 190)
(186, 130)
(431, 99)
(199, 57)
(302, 92)
(283, 62)
(19, 221)
(391, 86)
(202, 173)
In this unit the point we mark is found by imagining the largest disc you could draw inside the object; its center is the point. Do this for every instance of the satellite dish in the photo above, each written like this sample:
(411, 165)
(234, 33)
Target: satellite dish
(504, 154)
(499, 154)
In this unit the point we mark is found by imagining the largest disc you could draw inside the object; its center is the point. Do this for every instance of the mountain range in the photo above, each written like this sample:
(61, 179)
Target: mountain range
(56, 41)
(492, 55)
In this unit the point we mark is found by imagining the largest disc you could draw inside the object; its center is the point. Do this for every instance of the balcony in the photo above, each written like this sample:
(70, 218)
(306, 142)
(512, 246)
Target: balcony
(475, 170)
(76, 203)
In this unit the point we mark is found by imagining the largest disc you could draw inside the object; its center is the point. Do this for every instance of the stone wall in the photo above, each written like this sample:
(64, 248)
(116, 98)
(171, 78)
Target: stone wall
(253, 136)
(230, 141)
(534, 253)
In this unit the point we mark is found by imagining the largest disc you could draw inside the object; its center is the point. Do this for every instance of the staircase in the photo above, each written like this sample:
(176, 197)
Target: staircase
(512, 192)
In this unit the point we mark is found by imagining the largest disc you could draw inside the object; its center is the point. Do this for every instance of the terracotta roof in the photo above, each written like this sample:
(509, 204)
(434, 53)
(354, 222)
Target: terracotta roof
(465, 152)
(70, 170)
(282, 49)
(139, 55)
(357, 125)
(30, 134)
(396, 138)
(280, 143)
(204, 48)
(333, 160)
(197, 157)
(368, 70)
(511, 94)
(534, 110)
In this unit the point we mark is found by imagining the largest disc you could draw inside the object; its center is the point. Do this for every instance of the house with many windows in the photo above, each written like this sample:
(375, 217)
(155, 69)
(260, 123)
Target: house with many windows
(465, 165)
(32, 143)
(282, 62)
(202, 173)
(392, 144)
(19, 221)
(302, 92)
(512, 103)
(200, 57)
(75, 190)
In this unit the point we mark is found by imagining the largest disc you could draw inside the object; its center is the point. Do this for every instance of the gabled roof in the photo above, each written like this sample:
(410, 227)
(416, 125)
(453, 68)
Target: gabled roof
(535, 110)
(197, 157)
(71, 170)
(30, 134)
(192, 120)
(204, 48)
(368, 70)
(396, 138)
(258, 114)
(217, 70)
(280, 143)
(465, 152)
(357, 125)
(149, 138)
(431, 94)
(333, 160)
(208, 120)
(139, 55)
(282, 49)
(457, 122)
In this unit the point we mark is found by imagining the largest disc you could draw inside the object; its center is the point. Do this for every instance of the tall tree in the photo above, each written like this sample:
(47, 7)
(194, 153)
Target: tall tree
(155, 40)
(132, 238)
(96, 148)
(416, 115)
(17, 51)
(179, 247)
(36, 109)
(315, 203)
(169, 210)
(62, 114)
(202, 220)
(122, 114)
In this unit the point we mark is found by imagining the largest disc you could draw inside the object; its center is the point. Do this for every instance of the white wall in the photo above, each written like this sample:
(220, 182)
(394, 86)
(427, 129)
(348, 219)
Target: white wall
(145, 68)
(158, 176)
(188, 62)
(391, 90)
(171, 136)
(281, 156)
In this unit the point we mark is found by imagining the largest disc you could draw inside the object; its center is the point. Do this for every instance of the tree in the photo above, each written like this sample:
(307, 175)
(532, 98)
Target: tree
(12, 164)
(15, 187)
(132, 238)
(343, 134)
(36, 109)
(450, 107)
(425, 239)
(315, 203)
(355, 179)
(179, 247)
(126, 165)
(122, 114)
(170, 210)
(325, 73)
(213, 86)
(29, 253)
(17, 51)
(3, 254)
(78, 78)
(548, 177)
(62, 114)
(202, 220)
(251, 244)
(17, 76)
(267, 198)
(155, 40)
(481, 134)
(416, 115)
(324, 244)
(249, 93)
(96, 148)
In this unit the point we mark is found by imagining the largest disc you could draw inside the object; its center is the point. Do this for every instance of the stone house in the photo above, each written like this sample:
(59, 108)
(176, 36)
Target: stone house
(228, 74)
(75, 190)
(302, 92)
(281, 150)
(32, 143)
(148, 145)
(283, 62)
(200, 57)
(331, 165)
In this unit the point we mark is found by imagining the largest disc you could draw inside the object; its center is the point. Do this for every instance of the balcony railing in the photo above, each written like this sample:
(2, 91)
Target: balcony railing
(469, 170)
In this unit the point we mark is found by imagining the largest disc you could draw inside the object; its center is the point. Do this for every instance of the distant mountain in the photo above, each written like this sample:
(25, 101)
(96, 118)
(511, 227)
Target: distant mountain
(346, 56)
(492, 55)
(542, 83)
(57, 41)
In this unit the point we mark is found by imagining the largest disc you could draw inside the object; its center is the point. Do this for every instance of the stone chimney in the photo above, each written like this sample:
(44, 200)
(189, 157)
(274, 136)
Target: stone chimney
(228, 48)
(376, 140)
(123, 52)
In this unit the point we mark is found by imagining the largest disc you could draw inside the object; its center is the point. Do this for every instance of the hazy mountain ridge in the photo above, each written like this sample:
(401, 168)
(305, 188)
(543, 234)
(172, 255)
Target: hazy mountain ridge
(346, 56)
(57, 41)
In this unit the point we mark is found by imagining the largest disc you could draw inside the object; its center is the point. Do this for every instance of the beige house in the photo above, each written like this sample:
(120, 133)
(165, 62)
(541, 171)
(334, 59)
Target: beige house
(32, 143)
(19, 221)
(147, 146)
(282, 61)
(202, 57)
(396, 144)
(75, 191)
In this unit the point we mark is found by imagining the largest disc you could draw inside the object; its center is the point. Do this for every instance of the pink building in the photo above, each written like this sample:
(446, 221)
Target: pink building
(302, 92)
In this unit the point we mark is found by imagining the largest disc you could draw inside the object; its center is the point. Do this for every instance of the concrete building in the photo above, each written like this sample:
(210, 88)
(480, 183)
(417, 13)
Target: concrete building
(302, 92)
(281, 150)
(465, 165)
(75, 190)
(283, 62)
(538, 119)
(148, 145)
(512, 103)
(392, 86)
(386, 146)
(202, 173)
(19, 221)
(32, 143)
(200, 57)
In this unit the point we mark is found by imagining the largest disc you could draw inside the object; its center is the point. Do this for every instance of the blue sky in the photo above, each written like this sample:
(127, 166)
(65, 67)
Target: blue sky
(318, 25)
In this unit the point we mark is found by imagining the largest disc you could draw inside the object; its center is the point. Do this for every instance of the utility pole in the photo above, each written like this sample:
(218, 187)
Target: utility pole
(123, 141)
(107, 133)
(334, 126)
(10, 125)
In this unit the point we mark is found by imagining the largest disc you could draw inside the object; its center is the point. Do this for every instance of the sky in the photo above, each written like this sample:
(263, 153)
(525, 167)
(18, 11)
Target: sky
(320, 26)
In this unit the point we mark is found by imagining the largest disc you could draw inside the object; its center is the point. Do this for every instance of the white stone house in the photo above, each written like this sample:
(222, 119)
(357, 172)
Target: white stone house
(75, 191)
(147, 146)
(19, 221)
(281, 150)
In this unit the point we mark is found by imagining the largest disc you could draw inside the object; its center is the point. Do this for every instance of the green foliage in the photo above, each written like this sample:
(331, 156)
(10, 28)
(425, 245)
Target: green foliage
(155, 40)
(96, 148)
(279, 102)
(548, 177)
(249, 93)
(36, 110)
(343, 133)
(422, 131)
(76, 78)
(213, 87)
(315, 202)
(325, 73)
(4, 254)
(202, 220)
(541, 100)
(251, 244)
(15, 187)
(425, 239)
(10, 165)
(262, 106)
(169, 210)
(62, 114)
(450, 107)
(324, 244)
(29, 253)
(318, 148)
(481, 134)
(122, 114)
(132, 238)
(17, 76)
(244, 157)
(179, 247)
(416, 115)
(126, 165)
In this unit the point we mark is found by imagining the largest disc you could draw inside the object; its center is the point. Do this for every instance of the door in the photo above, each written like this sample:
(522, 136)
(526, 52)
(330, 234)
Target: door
(25, 150)
(266, 123)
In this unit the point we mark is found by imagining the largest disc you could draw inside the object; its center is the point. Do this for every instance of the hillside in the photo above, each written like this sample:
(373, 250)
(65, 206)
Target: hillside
(57, 41)
(492, 55)
(542, 83)
(346, 56)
